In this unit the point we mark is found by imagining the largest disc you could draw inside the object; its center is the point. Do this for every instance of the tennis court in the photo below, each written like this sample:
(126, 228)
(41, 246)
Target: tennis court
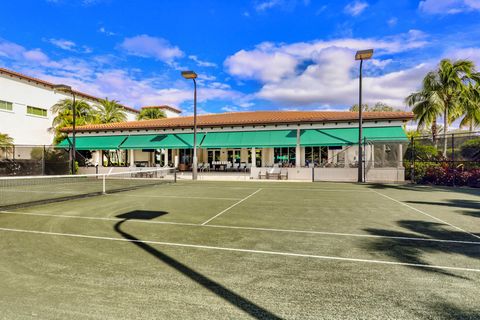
(244, 250)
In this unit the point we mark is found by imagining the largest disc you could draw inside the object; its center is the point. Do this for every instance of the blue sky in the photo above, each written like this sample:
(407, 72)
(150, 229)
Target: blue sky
(250, 55)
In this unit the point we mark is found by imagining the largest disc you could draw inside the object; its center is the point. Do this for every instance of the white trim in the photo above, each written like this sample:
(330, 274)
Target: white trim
(233, 205)
(240, 228)
(277, 253)
(426, 214)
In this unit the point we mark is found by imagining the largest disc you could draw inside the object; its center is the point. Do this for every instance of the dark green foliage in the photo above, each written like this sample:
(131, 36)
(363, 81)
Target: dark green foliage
(470, 150)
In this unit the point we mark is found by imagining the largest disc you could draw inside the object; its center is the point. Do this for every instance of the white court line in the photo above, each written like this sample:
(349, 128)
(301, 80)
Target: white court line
(168, 196)
(426, 214)
(277, 253)
(233, 205)
(242, 228)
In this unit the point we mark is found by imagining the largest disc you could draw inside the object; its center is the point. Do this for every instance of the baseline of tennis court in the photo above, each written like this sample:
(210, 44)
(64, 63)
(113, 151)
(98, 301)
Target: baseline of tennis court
(245, 250)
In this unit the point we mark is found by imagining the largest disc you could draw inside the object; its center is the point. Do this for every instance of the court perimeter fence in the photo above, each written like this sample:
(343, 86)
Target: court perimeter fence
(23, 160)
(452, 159)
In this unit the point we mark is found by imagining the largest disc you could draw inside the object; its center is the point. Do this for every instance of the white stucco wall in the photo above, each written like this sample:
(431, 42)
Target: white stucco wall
(28, 129)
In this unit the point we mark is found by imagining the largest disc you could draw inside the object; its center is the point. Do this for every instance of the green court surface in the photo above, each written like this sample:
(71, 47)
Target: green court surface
(245, 250)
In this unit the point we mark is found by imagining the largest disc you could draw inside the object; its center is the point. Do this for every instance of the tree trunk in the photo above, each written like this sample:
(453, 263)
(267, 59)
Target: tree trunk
(445, 129)
(434, 132)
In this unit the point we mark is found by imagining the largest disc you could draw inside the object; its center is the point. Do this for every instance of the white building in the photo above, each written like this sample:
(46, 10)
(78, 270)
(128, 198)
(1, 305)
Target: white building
(298, 145)
(25, 104)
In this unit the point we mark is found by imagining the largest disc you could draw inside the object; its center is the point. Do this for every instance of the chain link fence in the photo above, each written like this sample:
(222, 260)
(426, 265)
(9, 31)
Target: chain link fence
(452, 160)
(21, 160)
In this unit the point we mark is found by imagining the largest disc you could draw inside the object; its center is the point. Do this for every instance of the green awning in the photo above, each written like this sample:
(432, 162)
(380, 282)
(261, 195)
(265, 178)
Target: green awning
(250, 139)
(93, 142)
(349, 136)
(161, 141)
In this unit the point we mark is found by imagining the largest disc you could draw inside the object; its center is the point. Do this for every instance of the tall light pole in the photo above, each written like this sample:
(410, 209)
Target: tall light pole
(192, 75)
(67, 89)
(361, 55)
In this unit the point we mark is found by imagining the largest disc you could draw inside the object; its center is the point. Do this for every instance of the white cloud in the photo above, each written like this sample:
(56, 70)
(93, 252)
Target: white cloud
(392, 22)
(448, 6)
(465, 53)
(202, 63)
(106, 32)
(99, 76)
(322, 72)
(261, 65)
(265, 5)
(269, 62)
(63, 44)
(147, 46)
(355, 8)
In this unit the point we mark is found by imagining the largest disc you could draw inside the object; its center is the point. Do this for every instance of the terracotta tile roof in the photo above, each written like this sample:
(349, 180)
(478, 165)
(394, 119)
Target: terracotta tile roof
(50, 85)
(248, 118)
(173, 109)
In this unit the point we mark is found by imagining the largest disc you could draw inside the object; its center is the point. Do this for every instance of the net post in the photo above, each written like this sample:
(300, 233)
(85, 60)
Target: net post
(104, 189)
(175, 174)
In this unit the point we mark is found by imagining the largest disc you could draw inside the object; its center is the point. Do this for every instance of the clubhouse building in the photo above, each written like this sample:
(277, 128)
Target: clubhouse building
(294, 145)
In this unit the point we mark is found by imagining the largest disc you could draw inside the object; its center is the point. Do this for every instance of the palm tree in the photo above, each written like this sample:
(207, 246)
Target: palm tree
(470, 102)
(441, 94)
(64, 116)
(108, 111)
(151, 113)
(5, 140)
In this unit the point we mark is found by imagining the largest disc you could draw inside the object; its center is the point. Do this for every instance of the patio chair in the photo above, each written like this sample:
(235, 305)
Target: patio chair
(242, 167)
(273, 173)
(284, 175)
(228, 166)
(262, 174)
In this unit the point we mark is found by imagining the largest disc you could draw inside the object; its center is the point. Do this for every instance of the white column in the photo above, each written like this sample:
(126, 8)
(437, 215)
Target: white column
(346, 151)
(298, 155)
(132, 158)
(400, 156)
(254, 158)
(165, 158)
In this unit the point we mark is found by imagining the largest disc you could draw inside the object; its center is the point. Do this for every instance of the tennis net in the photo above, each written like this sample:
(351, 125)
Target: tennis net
(32, 190)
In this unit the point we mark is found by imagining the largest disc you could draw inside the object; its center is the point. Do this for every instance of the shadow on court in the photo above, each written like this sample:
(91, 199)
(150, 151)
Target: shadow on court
(411, 251)
(446, 310)
(425, 188)
(231, 297)
(472, 207)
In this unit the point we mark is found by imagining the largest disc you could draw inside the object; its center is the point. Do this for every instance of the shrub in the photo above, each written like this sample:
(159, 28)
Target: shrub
(470, 150)
(422, 153)
(445, 176)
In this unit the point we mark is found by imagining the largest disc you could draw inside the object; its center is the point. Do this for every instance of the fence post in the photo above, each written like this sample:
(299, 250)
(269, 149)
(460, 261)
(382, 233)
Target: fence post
(364, 164)
(43, 161)
(412, 165)
(453, 159)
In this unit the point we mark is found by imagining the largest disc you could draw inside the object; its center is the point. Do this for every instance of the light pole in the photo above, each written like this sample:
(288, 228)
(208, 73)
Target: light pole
(67, 89)
(192, 75)
(361, 55)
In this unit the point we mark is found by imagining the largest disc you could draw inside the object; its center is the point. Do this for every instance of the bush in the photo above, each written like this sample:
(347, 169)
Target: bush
(422, 153)
(445, 176)
(420, 169)
(470, 150)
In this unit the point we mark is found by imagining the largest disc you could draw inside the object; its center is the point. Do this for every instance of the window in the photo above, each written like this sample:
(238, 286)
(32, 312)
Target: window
(233, 156)
(315, 156)
(5, 105)
(36, 111)
(213, 155)
(284, 156)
